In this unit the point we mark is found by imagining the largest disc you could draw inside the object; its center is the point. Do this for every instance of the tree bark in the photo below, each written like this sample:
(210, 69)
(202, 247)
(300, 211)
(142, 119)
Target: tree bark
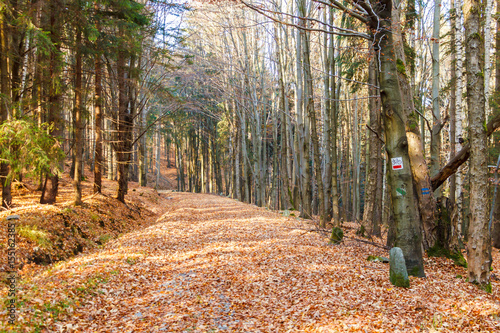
(314, 132)
(98, 159)
(479, 242)
(4, 102)
(407, 220)
(436, 129)
(78, 146)
(372, 211)
(54, 100)
(124, 129)
(495, 232)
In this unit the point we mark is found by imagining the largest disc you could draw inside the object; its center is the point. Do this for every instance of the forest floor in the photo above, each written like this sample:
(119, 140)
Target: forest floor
(205, 263)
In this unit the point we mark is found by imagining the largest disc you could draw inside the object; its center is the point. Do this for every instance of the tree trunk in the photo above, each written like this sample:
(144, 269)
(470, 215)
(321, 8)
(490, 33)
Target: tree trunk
(78, 146)
(98, 160)
(308, 80)
(419, 169)
(335, 88)
(457, 32)
(404, 205)
(4, 102)
(54, 100)
(372, 218)
(436, 129)
(283, 114)
(479, 242)
(455, 228)
(328, 58)
(495, 232)
(124, 128)
(157, 155)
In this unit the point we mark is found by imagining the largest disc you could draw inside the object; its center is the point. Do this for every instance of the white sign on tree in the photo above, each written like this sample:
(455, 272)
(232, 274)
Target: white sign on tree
(397, 163)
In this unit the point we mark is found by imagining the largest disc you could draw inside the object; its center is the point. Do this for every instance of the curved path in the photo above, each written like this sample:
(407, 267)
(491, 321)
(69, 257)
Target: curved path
(213, 264)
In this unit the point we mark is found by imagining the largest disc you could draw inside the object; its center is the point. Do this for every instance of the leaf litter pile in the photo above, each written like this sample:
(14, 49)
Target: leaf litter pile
(212, 264)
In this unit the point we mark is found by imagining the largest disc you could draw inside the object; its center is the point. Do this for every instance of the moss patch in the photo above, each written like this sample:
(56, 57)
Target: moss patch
(456, 256)
(337, 235)
(399, 280)
(485, 287)
(361, 231)
(40, 237)
(401, 67)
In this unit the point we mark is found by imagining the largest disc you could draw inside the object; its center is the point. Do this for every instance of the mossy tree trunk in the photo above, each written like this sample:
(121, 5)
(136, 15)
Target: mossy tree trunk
(404, 203)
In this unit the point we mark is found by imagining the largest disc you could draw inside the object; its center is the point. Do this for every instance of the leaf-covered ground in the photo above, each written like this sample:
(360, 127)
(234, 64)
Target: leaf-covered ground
(212, 264)
(50, 233)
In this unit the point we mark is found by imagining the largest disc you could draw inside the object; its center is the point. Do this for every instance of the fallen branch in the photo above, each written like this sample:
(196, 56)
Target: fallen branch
(327, 232)
(368, 242)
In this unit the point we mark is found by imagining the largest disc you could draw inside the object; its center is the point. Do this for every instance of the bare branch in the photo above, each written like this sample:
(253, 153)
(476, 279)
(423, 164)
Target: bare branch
(376, 133)
(426, 121)
(346, 32)
(338, 5)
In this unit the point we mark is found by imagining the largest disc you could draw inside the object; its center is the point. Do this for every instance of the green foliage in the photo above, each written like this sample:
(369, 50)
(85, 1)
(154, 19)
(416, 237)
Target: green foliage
(131, 261)
(223, 127)
(410, 55)
(32, 233)
(103, 239)
(29, 148)
(485, 287)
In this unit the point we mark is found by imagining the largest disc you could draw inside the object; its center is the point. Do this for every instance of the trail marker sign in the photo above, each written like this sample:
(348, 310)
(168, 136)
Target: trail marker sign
(397, 163)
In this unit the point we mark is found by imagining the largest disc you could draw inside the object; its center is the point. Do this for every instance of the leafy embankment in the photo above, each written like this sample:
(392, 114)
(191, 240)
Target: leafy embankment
(47, 234)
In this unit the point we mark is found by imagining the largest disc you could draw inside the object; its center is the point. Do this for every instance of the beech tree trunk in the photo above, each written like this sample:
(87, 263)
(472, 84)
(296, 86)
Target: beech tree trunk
(314, 132)
(479, 242)
(404, 205)
(436, 129)
(372, 217)
(495, 232)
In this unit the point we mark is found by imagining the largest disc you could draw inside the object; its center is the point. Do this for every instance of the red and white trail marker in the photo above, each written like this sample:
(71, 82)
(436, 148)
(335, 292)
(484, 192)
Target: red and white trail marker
(397, 163)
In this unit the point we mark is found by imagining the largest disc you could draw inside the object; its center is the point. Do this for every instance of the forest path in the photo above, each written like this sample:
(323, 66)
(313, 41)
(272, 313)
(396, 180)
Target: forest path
(213, 264)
